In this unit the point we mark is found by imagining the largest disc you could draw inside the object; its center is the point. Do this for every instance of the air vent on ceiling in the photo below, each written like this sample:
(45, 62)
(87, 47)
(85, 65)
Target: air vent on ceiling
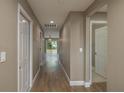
(50, 25)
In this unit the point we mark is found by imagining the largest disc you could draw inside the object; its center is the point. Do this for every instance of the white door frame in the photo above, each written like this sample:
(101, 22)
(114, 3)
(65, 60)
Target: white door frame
(21, 10)
(88, 69)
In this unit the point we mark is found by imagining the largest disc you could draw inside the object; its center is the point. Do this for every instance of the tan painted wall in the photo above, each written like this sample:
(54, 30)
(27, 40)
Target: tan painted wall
(36, 49)
(116, 45)
(76, 42)
(53, 33)
(8, 43)
(36, 36)
(65, 47)
(72, 41)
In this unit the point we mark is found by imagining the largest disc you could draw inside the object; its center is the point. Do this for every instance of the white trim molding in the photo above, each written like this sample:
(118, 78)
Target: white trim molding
(98, 22)
(71, 83)
(67, 77)
(77, 83)
(87, 84)
(36, 76)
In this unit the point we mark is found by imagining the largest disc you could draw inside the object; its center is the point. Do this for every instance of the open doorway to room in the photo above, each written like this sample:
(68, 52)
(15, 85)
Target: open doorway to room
(52, 57)
(99, 51)
(96, 52)
(51, 46)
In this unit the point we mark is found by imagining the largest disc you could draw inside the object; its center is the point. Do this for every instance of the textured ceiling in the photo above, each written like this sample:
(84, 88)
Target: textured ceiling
(56, 10)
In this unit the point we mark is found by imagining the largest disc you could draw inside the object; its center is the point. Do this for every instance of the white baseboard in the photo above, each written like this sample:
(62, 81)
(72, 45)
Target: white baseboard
(67, 77)
(87, 84)
(34, 79)
(42, 63)
(71, 83)
(29, 90)
(76, 83)
(36, 75)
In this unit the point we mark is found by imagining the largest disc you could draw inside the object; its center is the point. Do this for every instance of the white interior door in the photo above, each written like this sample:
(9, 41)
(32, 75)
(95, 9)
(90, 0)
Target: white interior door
(101, 50)
(24, 50)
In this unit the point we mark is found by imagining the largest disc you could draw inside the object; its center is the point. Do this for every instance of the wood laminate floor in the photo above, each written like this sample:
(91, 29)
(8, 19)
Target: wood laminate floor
(52, 79)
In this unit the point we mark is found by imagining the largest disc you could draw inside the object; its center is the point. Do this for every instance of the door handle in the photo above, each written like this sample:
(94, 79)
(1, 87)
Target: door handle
(95, 53)
(20, 67)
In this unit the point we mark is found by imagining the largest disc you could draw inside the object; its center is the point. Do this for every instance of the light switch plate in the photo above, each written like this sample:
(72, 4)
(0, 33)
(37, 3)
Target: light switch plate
(81, 50)
(2, 57)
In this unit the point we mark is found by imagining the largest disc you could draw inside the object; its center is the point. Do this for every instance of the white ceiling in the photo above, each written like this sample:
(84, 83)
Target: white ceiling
(56, 10)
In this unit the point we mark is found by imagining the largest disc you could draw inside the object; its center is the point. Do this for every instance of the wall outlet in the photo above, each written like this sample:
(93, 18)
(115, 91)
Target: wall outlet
(2, 57)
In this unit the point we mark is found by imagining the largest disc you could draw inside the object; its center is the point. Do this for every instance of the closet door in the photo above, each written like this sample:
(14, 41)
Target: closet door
(24, 47)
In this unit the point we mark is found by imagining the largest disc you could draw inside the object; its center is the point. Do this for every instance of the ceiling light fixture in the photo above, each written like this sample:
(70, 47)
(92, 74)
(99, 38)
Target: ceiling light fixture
(51, 22)
(24, 21)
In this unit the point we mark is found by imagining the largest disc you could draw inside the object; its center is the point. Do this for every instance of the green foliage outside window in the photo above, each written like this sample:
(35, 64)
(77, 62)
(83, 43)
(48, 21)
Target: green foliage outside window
(51, 44)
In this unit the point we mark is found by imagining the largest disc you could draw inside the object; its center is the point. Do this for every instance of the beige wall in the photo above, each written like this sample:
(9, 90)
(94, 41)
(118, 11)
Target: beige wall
(53, 33)
(76, 42)
(72, 41)
(36, 49)
(8, 43)
(36, 36)
(65, 46)
(116, 45)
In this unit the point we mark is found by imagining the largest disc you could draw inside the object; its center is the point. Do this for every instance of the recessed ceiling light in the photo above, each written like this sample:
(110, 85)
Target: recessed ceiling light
(51, 22)
(24, 21)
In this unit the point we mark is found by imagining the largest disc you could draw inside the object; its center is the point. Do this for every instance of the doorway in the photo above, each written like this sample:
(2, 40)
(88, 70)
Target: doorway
(99, 51)
(52, 46)
(96, 47)
(24, 50)
(51, 50)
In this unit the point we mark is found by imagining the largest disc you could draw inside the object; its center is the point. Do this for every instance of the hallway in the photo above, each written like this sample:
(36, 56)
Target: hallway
(76, 31)
(52, 79)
